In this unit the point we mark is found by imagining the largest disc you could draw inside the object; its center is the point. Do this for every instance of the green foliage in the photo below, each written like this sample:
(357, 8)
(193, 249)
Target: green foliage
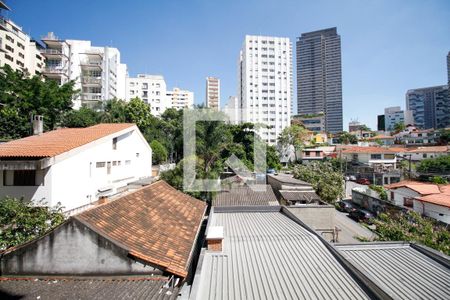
(294, 135)
(435, 165)
(439, 180)
(159, 152)
(273, 158)
(444, 136)
(399, 127)
(21, 221)
(413, 227)
(21, 97)
(380, 190)
(347, 138)
(327, 183)
(84, 117)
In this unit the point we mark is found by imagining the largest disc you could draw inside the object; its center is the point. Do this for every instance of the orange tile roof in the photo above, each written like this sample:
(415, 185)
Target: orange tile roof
(423, 188)
(429, 149)
(359, 149)
(156, 224)
(438, 199)
(58, 141)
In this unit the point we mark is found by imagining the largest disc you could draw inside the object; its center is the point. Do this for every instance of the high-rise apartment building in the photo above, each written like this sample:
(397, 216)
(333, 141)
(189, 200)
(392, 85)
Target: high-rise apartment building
(430, 106)
(232, 109)
(97, 71)
(448, 68)
(180, 99)
(17, 49)
(265, 84)
(319, 78)
(151, 89)
(213, 93)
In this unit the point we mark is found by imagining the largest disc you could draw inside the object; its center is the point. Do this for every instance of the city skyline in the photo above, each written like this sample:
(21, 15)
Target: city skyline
(385, 50)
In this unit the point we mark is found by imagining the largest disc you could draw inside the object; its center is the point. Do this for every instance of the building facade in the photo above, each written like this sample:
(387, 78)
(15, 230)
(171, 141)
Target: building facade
(265, 84)
(232, 110)
(17, 49)
(213, 93)
(313, 122)
(319, 78)
(74, 166)
(97, 71)
(151, 89)
(392, 116)
(430, 106)
(180, 99)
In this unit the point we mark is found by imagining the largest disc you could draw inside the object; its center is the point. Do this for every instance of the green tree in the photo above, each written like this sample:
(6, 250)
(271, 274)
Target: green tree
(444, 136)
(412, 227)
(380, 190)
(22, 96)
(159, 152)
(327, 183)
(439, 180)
(439, 164)
(138, 112)
(21, 221)
(84, 117)
(399, 127)
(294, 135)
(347, 138)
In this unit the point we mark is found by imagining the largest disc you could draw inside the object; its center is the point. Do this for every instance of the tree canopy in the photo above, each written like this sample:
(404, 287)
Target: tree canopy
(439, 165)
(294, 135)
(327, 182)
(347, 138)
(21, 97)
(21, 221)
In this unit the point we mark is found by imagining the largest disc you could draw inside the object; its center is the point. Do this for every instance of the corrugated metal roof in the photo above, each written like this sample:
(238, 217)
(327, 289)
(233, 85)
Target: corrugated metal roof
(245, 196)
(299, 195)
(400, 270)
(266, 255)
(286, 178)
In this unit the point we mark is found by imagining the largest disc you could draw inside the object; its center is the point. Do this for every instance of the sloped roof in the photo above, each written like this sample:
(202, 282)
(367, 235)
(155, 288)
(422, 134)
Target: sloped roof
(156, 224)
(438, 199)
(400, 269)
(422, 188)
(245, 196)
(58, 141)
(360, 149)
(299, 195)
(431, 149)
(87, 288)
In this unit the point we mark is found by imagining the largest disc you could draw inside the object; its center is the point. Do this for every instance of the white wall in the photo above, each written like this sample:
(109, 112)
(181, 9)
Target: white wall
(434, 211)
(74, 180)
(400, 194)
(151, 89)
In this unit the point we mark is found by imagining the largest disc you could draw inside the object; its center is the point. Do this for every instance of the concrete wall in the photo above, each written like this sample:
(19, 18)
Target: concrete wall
(316, 216)
(71, 249)
(437, 212)
(400, 194)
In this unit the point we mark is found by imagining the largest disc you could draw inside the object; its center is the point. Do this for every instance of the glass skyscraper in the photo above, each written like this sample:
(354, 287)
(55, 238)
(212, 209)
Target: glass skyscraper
(319, 78)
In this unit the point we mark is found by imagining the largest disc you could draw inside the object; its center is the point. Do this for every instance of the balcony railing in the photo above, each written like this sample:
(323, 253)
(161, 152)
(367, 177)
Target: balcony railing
(91, 80)
(52, 51)
(90, 63)
(91, 96)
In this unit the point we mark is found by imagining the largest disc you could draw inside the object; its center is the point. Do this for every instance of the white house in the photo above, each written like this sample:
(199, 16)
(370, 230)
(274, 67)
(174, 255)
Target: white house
(404, 192)
(436, 206)
(74, 166)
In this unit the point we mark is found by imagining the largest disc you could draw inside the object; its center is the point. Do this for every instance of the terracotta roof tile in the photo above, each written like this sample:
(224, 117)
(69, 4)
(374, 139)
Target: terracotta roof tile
(58, 141)
(439, 199)
(422, 188)
(429, 149)
(156, 224)
(358, 149)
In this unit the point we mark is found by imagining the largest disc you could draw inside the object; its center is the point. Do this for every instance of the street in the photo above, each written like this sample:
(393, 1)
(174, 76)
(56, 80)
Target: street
(350, 229)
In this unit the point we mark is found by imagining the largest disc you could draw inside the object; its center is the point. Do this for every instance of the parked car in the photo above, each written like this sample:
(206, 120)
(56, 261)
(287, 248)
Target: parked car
(346, 206)
(271, 171)
(352, 178)
(362, 215)
(363, 181)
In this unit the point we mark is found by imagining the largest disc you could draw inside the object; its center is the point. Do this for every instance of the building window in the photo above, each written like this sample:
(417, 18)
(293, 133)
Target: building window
(100, 164)
(389, 156)
(19, 178)
(375, 156)
(114, 143)
(128, 162)
(424, 155)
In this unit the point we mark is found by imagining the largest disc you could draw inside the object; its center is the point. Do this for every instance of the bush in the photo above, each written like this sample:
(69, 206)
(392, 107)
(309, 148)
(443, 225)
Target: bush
(435, 165)
(380, 190)
(21, 221)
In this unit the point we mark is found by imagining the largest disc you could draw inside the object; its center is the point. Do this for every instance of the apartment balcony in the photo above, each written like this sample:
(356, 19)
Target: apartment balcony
(91, 96)
(53, 53)
(1, 45)
(91, 65)
(55, 72)
(3, 25)
(91, 81)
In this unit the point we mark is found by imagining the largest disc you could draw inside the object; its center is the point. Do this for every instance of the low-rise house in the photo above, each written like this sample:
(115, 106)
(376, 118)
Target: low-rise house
(74, 166)
(428, 199)
(385, 140)
(421, 153)
(150, 232)
(317, 153)
(414, 136)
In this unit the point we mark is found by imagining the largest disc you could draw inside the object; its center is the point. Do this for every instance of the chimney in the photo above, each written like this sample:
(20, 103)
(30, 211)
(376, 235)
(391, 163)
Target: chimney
(214, 238)
(38, 124)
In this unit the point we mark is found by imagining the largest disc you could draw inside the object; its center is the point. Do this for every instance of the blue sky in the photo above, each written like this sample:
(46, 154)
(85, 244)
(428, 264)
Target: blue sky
(388, 46)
